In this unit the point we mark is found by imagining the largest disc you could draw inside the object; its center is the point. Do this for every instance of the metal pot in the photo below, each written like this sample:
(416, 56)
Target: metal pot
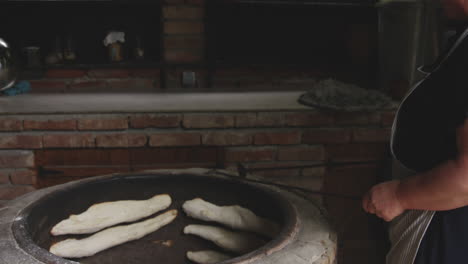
(8, 71)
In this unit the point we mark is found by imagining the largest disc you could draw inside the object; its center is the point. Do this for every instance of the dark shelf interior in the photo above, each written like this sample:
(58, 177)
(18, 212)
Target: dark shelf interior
(301, 36)
(86, 23)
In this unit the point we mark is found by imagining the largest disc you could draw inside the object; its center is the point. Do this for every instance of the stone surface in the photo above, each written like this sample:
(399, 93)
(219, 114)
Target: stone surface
(118, 103)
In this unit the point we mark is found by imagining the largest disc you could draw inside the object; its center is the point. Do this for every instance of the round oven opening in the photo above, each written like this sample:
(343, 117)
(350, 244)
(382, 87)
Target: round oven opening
(167, 245)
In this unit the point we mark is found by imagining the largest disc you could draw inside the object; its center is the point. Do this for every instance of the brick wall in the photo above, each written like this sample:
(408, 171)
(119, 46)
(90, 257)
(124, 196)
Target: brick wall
(183, 31)
(42, 150)
(98, 80)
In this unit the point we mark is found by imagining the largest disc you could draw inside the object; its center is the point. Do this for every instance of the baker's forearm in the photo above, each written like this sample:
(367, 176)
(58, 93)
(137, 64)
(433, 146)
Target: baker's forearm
(443, 188)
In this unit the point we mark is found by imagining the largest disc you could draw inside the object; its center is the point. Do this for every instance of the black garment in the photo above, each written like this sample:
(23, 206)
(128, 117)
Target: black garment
(425, 136)
(427, 119)
(446, 239)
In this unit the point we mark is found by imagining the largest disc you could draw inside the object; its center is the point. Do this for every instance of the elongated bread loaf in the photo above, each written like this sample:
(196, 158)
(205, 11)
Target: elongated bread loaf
(74, 248)
(237, 242)
(235, 217)
(102, 215)
(207, 256)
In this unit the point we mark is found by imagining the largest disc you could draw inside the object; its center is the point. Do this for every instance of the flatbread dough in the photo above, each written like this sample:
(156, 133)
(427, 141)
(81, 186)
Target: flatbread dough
(102, 215)
(237, 242)
(207, 256)
(235, 217)
(74, 248)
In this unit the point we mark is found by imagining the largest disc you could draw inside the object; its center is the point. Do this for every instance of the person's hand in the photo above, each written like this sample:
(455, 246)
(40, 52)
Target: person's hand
(382, 200)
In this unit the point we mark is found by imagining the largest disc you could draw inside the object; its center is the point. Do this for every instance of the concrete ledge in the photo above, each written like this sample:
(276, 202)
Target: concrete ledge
(128, 103)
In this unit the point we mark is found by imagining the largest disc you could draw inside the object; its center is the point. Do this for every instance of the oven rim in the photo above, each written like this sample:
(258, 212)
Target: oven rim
(287, 234)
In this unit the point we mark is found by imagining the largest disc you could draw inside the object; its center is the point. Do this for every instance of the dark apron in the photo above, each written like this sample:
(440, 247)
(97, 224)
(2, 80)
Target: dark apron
(423, 136)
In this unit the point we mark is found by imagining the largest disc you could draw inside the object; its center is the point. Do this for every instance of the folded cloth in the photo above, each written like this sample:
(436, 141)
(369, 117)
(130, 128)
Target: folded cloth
(18, 88)
(335, 95)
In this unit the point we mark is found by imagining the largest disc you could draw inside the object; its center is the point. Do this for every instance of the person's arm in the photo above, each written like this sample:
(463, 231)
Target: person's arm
(444, 187)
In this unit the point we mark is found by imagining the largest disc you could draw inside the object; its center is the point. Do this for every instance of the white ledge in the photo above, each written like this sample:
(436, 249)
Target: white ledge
(175, 102)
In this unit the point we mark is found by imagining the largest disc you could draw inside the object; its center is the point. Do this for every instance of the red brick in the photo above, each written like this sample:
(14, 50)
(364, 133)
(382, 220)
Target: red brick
(16, 159)
(301, 153)
(49, 124)
(137, 140)
(155, 121)
(371, 135)
(131, 85)
(348, 217)
(118, 123)
(317, 172)
(208, 121)
(387, 118)
(20, 141)
(195, 2)
(10, 192)
(183, 56)
(358, 251)
(324, 136)
(280, 176)
(9, 124)
(121, 140)
(357, 152)
(183, 12)
(48, 86)
(278, 138)
(249, 154)
(145, 73)
(25, 177)
(246, 120)
(173, 166)
(308, 119)
(232, 72)
(175, 155)
(184, 42)
(257, 85)
(68, 141)
(174, 2)
(358, 118)
(183, 27)
(109, 73)
(82, 157)
(227, 84)
(280, 164)
(175, 139)
(227, 138)
(64, 73)
(351, 180)
(88, 87)
(4, 176)
(112, 140)
(275, 119)
(67, 174)
(292, 177)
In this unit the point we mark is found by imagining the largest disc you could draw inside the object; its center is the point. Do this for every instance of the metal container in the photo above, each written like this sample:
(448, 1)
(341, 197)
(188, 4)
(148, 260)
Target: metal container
(8, 72)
